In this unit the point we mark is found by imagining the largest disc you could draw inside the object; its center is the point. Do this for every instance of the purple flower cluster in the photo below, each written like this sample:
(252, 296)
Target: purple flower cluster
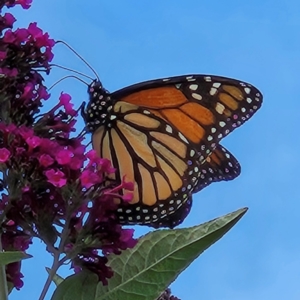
(51, 188)
(166, 295)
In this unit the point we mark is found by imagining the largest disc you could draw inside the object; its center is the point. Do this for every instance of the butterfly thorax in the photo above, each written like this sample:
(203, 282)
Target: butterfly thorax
(98, 110)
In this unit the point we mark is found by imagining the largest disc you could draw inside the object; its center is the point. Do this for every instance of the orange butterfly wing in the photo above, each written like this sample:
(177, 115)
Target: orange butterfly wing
(162, 133)
(203, 108)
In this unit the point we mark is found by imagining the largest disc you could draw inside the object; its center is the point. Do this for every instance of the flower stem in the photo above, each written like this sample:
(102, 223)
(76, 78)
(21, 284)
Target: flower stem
(56, 264)
(3, 282)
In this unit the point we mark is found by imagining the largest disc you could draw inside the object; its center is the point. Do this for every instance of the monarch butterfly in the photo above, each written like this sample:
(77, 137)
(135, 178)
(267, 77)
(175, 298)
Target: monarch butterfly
(164, 136)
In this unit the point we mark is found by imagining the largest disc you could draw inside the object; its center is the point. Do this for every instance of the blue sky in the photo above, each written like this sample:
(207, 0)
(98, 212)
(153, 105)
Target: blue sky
(258, 42)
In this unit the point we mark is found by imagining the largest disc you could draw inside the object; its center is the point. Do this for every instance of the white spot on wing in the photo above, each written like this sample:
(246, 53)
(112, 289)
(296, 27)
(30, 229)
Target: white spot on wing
(190, 78)
(169, 129)
(196, 96)
(220, 108)
(216, 84)
(247, 90)
(193, 87)
(213, 91)
(183, 137)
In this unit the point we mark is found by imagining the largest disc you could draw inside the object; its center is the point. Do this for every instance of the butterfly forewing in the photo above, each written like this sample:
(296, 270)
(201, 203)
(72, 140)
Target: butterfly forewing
(150, 153)
(203, 108)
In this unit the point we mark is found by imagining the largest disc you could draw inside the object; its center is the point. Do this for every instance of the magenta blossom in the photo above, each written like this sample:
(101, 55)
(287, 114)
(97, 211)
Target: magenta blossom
(64, 156)
(46, 160)
(24, 3)
(64, 100)
(57, 178)
(89, 178)
(4, 155)
(51, 188)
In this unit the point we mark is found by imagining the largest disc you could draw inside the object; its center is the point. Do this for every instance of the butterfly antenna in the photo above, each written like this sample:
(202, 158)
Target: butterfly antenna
(71, 70)
(78, 55)
(63, 78)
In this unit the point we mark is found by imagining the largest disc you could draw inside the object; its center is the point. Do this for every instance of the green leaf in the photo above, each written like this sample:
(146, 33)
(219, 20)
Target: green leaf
(8, 257)
(79, 286)
(56, 278)
(144, 272)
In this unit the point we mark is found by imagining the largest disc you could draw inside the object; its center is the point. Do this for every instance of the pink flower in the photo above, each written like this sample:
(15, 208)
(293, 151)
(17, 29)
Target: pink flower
(9, 20)
(76, 163)
(127, 197)
(25, 132)
(127, 238)
(57, 178)
(127, 185)
(64, 100)
(46, 160)
(4, 155)
(28, 91)
(106, 166)
(92, 156)
(64, 156)
(43, 93)
(89, 178)
(24, 3)
(42, 39)
(33, 142)
(35, 31)
(20, 36)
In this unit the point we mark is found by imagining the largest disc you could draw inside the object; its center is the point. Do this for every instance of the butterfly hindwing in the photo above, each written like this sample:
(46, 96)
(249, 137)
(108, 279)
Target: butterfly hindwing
(221, 165)
(176, 218)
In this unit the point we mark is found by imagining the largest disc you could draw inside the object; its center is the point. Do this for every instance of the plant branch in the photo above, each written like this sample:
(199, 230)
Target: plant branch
(3, 281)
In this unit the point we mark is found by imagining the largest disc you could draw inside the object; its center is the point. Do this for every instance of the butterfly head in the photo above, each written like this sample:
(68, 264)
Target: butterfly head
(97, 111)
